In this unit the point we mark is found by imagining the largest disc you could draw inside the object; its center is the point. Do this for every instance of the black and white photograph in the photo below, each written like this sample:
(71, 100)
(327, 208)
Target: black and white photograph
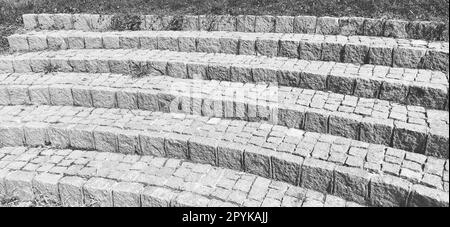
(227, 104)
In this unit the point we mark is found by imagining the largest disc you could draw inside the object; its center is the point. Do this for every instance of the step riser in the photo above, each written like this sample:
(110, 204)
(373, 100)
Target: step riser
(245, 23)
(306, 171)
(364, 81)
(89, 178)
(307, 47)
(240, 103)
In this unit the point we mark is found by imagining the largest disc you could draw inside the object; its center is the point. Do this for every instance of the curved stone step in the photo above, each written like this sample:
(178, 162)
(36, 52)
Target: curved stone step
(351, 49)
(428, 30)
(353, 170)
(89, 178)
(407, 86)
(410, 128)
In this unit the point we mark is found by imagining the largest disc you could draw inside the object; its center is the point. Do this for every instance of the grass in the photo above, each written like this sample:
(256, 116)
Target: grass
(11, 10)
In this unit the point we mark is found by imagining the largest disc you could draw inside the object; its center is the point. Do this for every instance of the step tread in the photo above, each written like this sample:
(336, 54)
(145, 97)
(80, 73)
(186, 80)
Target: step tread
(142, 181)
(343, 115)
(247, 23)
(349, 49)
(412, 86)
(257, 148)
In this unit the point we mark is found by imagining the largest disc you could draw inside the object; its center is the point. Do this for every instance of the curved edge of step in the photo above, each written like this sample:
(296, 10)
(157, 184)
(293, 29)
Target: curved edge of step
(410, 128)
(406, 86)
(428, 30)
(352, 170)
(353, 49)
(69, 178)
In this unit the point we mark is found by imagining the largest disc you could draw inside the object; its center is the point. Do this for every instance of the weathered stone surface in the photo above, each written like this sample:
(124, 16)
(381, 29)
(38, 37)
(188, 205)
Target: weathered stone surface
(316, 121)
(409, 137)
(19, 184)
(351, 25)
(286, 167)
(436, 60)
(395, 28)
(408, 57)
(176, 146)
(317, 175)
(152, 144)
(257, 161)
(157, 197)
(203, 150)
(377, 131)
(98, 192)
(45, 187)
(230, 155)
(71, 191)
(127, 194)
(389, 191)
(327, 26)
(352, 184)
(305, 24)
(344, 124)
(422, 196)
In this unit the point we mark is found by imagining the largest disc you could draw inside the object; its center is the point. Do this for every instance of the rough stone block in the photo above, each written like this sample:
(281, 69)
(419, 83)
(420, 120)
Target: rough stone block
(284, 24)
(152, 144)
(305, 24)
(82, 137)
(61, 95)
(203, 150)
(230, 155)
(45, 186)
(265, 23)
(316, 120)
(377, 131)
(389, 191)
(355, 53)
(409, 57)
(257, 161)
(11, 134)
(327, 25)
(395, 28)
(286, 167)
(127, 194)
(380, 55)
(104, 97)
(36, 134)
(105, 138)
(71, 191)
(176, 146)
(309, 50)
(345, 124)
(409, 137)
(58, 135)
(317, 175)
(82, 96)
(98, 192)
(373, 27)
(245, 23)
(19, 184)
(422, 196)
(351, 25)
(352, 184)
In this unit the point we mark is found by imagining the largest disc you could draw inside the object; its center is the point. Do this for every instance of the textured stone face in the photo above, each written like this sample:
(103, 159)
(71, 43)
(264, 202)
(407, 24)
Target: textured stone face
(317, 174)
(352, 184)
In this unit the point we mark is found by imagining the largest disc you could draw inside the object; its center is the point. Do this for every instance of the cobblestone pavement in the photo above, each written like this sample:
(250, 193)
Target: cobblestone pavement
(321, 162)
(89, 178)
(402, 85)
(350, 49)
(348, 26)
(224, 110)
(411, 128)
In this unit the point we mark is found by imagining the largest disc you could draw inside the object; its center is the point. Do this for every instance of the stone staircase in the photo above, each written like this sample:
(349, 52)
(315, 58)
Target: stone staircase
(111, 110)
